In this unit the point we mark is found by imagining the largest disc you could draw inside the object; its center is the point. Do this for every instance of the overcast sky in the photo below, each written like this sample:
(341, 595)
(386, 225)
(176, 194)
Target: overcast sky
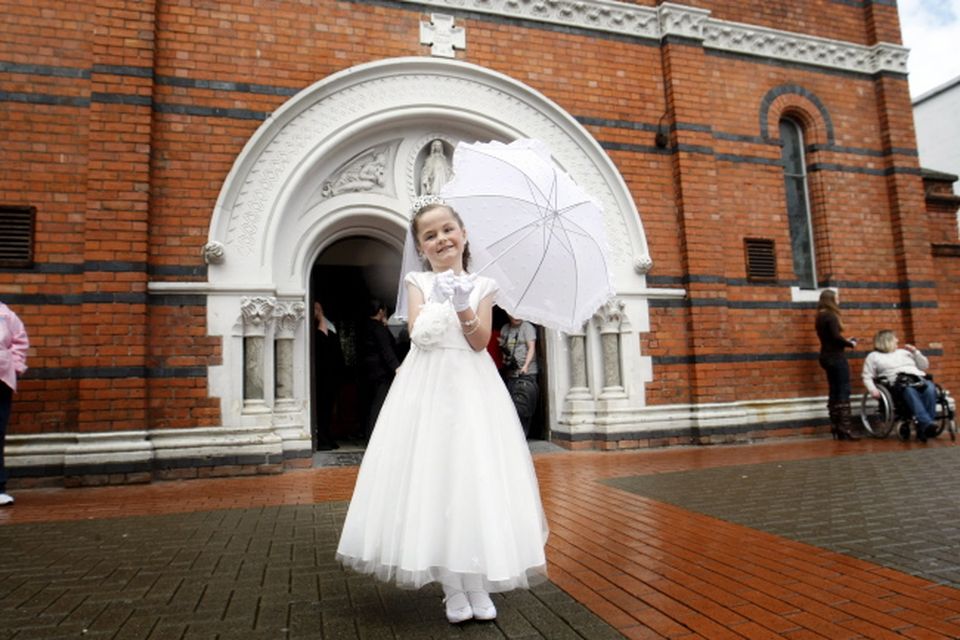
(931, 30)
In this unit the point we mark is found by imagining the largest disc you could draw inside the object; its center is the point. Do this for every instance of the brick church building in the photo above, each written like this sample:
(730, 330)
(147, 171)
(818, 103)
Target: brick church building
(181, 180)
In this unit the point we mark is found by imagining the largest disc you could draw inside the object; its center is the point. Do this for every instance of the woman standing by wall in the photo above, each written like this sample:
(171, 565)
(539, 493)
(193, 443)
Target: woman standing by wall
(13, 362)
(833, 360)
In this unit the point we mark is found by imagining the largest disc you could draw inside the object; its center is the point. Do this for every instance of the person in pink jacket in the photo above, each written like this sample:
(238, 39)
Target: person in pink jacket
(13, 362)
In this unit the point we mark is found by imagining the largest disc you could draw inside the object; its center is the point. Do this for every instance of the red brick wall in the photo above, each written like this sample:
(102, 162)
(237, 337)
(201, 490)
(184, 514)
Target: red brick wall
(125, 184)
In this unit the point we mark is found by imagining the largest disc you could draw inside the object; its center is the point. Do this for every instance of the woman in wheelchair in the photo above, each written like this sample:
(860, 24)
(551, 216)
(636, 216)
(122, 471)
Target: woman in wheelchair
(903, 370)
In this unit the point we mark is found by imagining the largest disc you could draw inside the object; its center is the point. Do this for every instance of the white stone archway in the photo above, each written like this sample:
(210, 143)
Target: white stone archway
(340, 159)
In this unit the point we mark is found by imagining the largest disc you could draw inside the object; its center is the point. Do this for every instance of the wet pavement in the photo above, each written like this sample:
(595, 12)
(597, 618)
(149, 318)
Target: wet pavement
(791, 539)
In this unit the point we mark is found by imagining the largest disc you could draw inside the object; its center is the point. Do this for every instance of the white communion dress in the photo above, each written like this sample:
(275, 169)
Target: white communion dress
(447, 488)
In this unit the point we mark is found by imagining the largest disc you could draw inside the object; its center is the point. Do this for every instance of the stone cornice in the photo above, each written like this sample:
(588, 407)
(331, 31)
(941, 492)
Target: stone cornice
(751, 40)
(676, 20)
(599, 15)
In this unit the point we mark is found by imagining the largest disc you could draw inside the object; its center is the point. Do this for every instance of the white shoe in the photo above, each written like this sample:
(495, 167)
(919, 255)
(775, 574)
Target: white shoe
(482, 605)
(458, 608)
(5, 499)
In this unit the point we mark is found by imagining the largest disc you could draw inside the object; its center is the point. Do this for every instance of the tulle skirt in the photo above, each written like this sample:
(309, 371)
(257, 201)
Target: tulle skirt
(447, 488)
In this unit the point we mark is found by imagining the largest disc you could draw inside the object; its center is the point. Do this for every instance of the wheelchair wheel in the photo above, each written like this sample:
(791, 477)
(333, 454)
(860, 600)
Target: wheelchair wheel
(945, 415)
(877, 415)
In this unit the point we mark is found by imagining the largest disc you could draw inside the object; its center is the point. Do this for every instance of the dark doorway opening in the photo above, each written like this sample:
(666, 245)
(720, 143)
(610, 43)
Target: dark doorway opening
(345, 278)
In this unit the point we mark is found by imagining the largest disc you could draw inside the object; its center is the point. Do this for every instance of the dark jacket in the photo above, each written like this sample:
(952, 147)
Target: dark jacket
(832, 342)
(378, 350)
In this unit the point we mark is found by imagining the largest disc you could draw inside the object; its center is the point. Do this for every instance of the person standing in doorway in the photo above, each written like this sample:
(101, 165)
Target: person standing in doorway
(328, 372)
(378, 359)
(13, 363)
(833, 360)
(518, 346)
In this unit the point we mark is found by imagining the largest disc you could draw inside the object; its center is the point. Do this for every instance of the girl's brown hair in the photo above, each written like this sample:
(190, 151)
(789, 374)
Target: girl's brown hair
(456, 216)
(828, 304)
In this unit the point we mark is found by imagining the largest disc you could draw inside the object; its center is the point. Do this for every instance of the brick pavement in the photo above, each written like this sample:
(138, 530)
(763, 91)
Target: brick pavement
(253, 557)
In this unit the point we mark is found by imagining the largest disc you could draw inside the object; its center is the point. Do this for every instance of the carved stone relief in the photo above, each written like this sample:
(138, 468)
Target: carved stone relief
(367, 171)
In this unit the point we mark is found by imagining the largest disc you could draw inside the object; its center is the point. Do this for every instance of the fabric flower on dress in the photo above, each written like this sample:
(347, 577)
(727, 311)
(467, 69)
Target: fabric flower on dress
(434, 321)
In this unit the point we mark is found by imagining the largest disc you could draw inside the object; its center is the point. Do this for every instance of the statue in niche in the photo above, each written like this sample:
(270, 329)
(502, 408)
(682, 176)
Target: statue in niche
(364, 174)
(436, 170)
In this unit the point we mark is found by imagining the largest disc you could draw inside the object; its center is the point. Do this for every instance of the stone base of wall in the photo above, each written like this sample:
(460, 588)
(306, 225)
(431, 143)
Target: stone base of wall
(109, 458)
(688, 438)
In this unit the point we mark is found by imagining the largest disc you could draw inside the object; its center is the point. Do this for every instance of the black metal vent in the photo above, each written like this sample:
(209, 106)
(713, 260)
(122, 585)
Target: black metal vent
(16, 235)
(761, 255)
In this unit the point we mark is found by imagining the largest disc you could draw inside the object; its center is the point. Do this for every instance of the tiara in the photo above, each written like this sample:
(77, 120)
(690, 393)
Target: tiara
(422, 201)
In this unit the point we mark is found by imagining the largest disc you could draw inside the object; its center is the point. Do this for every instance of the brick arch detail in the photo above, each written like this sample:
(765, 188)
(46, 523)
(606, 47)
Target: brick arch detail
(800, 104)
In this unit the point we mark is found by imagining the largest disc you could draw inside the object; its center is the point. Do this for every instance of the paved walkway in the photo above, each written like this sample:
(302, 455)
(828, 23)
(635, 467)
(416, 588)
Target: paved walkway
(809, 539)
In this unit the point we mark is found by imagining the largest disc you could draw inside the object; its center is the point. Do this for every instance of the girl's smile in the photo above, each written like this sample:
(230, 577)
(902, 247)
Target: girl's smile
(441, 239)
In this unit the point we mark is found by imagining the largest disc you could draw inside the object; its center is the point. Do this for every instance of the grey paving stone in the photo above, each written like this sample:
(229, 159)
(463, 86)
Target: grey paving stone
(255, 573)
(887, 508)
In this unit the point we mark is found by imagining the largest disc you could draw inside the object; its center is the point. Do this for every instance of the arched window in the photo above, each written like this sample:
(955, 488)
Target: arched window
(798, 204)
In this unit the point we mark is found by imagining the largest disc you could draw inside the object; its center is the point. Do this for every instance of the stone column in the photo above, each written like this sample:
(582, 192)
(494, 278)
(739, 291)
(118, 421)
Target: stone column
(575, 426)
(579, 387)
(257, 313)
(288, 316)
(610, 319)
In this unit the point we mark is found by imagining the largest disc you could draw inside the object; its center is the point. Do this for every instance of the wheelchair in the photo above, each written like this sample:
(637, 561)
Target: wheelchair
(882, 415)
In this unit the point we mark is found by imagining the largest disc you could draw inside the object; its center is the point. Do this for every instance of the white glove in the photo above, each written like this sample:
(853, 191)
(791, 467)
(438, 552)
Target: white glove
(462, 286)
(443, 285)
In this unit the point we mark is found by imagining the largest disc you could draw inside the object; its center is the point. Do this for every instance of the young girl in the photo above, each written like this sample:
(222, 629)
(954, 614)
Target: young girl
(447, 491)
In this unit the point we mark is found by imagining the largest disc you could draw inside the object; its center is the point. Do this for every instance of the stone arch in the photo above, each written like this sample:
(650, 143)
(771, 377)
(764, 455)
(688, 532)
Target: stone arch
(286, 198)
(269, 179)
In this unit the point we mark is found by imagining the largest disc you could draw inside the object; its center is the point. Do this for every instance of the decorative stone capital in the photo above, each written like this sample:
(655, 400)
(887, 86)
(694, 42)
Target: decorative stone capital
(643, 265)
(256, 314)
(680, 21)
(611, 316)
(213, 252)
(442, 36)
(288, 314)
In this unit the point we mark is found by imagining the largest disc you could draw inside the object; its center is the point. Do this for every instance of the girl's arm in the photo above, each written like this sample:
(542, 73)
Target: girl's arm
(476, 326)
(414, 302)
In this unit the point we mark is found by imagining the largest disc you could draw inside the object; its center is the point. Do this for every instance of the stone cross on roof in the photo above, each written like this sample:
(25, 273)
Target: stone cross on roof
(442, 35)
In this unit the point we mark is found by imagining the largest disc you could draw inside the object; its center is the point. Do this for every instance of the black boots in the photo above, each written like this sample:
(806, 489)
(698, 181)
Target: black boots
(841, 427)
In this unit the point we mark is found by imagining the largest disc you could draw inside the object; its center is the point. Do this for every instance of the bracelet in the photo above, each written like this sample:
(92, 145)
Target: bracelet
(470, 323)
(472, 331)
